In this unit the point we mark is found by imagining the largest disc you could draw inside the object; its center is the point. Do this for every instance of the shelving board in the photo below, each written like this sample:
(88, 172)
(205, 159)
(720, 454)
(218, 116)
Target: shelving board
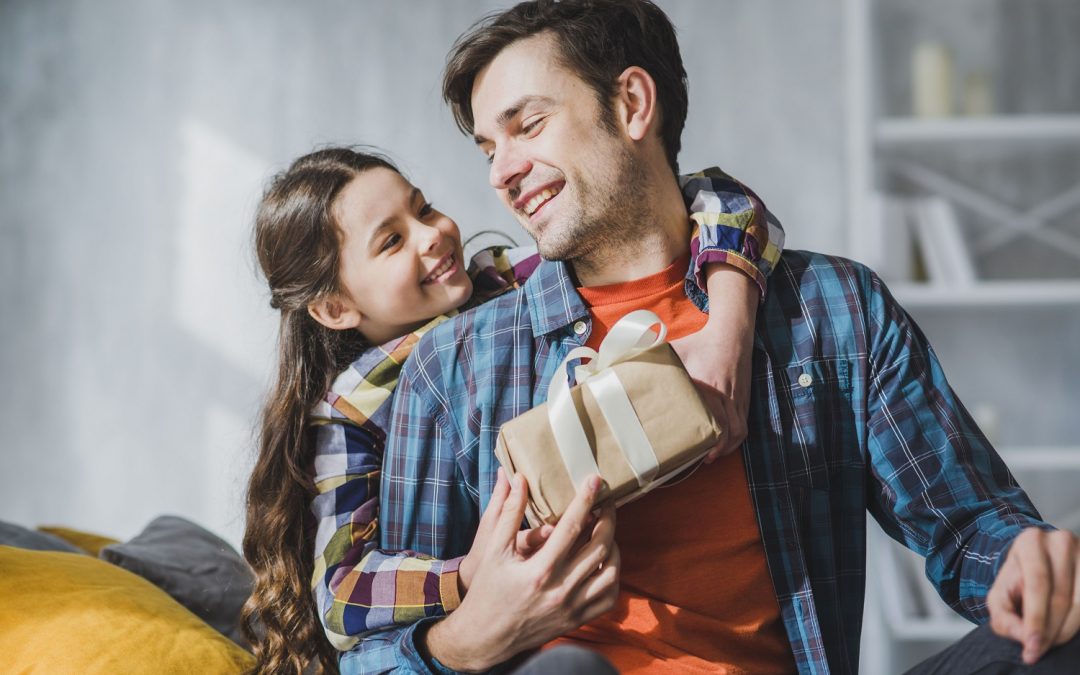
(891, 131)
(988, 294)
(1042, 458)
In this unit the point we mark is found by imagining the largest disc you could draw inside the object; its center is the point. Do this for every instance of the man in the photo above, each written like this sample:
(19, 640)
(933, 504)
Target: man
(754, 563)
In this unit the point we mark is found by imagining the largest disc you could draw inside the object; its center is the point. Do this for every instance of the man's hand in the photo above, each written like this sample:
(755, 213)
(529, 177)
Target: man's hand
(528, 541)
(1035, 599)
(520, 599)
(719, 356)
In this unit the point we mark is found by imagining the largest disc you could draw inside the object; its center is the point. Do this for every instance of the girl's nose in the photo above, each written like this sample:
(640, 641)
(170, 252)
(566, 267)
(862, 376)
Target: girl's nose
(431, 238)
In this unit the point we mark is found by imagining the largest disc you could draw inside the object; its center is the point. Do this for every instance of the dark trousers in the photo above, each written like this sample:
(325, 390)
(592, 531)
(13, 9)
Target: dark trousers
(981, 652)
(566, 660)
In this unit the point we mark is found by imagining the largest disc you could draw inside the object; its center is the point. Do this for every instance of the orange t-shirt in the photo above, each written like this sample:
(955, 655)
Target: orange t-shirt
(695, 592)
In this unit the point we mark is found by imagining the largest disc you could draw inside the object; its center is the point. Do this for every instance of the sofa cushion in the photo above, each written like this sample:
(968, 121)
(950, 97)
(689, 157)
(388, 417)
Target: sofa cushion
(71, 613)
(196, 567)
(20, 537)
(88, 542)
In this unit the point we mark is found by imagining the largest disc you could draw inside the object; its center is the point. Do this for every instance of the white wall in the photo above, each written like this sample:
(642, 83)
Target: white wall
(135, 138)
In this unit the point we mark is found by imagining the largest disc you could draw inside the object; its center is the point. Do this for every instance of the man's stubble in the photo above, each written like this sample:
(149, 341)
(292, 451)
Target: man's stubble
(614, 219)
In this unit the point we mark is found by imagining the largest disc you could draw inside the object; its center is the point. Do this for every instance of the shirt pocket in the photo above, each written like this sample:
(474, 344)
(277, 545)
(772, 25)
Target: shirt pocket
(814, 419)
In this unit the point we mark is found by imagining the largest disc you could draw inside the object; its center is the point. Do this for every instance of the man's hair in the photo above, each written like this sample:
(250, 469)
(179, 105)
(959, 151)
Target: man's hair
(597, 40)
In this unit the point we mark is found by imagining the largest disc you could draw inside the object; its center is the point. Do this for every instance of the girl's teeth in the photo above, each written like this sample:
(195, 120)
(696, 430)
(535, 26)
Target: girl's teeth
(441, 271)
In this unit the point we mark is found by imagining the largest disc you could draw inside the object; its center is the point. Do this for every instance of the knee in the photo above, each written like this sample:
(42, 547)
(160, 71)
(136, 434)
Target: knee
(569, 660)
(1065, 658)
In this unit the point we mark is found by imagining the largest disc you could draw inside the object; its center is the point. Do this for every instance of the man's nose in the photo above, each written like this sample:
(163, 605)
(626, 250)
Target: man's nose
(508, 167)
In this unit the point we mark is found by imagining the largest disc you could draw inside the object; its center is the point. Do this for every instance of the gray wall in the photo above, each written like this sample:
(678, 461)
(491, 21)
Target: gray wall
(135, 138)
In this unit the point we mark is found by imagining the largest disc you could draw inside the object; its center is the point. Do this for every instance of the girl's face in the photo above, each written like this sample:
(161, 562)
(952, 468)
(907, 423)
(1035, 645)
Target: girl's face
(401, 260)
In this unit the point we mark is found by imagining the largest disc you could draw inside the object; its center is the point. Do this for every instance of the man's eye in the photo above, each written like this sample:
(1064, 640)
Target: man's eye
(390, 242)
(532, 126)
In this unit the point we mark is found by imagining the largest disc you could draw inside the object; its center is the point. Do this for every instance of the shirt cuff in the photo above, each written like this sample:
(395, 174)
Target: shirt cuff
(412, 660)
(744, 265)
(449, 595)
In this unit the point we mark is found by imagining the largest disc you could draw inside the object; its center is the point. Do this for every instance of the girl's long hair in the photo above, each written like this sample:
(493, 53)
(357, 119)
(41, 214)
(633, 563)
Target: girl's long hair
(298, 244)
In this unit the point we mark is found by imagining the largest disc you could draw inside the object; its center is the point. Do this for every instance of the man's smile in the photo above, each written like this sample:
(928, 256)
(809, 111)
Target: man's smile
(531, 203)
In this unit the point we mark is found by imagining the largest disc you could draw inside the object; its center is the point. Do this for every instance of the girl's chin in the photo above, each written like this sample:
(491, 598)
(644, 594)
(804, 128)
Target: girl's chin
(455, 296)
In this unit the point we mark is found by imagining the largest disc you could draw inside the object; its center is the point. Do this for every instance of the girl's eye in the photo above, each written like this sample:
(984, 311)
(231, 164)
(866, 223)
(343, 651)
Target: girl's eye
(390, 242)
(426, 210)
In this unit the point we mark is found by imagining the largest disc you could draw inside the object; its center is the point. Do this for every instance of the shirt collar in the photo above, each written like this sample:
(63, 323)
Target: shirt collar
(554, 302)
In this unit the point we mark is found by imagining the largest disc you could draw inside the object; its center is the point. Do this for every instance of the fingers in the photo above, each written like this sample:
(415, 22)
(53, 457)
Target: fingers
(1059, 546)
(529, 541)
(513, 510)
(600, 592)
(1071, 626)
(1035, 592)
(572, 524)
(595, 551)
(724, 409)
(1002, 603)
(498, 497)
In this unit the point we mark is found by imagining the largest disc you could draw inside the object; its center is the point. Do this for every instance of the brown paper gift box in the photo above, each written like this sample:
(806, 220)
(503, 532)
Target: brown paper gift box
(676, 421)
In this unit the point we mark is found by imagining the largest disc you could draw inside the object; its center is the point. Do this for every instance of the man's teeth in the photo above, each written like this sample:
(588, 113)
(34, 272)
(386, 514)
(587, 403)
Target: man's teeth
(537, 200)
(441, 269)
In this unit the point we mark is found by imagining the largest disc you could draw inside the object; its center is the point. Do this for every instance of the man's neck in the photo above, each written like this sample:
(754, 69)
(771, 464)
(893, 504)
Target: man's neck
(664, 237)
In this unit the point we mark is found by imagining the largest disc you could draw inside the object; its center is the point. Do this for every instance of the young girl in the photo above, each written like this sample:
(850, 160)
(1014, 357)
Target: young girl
(360, 266)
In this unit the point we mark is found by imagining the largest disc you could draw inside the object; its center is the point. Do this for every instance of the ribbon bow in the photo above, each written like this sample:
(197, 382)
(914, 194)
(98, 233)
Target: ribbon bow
(630, 336)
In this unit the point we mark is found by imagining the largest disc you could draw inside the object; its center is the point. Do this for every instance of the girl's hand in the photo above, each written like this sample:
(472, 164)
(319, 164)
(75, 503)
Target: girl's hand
(719, 356)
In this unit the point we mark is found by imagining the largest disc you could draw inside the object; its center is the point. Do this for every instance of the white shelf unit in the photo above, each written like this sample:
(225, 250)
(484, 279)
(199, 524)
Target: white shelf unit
(916, 621)
(905, 621)
(879, 145)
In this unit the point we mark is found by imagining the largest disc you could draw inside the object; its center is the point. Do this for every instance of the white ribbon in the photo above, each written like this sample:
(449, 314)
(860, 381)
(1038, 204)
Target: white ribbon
(631, 335)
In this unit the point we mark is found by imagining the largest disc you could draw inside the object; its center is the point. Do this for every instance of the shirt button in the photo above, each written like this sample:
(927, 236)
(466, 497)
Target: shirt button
(580, 328)
(805, 380)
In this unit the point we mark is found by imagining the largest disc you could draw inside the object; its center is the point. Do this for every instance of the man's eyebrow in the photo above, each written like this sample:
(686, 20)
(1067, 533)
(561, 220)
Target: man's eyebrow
(512, 111)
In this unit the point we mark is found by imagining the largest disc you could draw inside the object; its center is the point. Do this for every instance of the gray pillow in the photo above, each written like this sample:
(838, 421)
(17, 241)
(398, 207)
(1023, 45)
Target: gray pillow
(197, 568)
(20, 537)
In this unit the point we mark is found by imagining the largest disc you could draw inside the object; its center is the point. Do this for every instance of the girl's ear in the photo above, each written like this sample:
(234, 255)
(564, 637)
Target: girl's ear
(335, 312)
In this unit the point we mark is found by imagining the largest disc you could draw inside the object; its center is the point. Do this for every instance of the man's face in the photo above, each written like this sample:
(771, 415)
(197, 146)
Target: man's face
(554, 164)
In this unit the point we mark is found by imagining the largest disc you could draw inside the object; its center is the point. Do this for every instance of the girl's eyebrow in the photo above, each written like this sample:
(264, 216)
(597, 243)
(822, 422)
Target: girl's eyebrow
(389, 221)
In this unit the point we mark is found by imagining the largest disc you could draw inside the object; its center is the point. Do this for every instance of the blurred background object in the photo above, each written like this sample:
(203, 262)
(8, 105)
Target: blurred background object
(136, 137)
(964, 175)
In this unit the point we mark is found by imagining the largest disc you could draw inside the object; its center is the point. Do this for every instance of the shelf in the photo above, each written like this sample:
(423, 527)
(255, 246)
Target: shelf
(907, 130)
(988, 294)
(1049, 458)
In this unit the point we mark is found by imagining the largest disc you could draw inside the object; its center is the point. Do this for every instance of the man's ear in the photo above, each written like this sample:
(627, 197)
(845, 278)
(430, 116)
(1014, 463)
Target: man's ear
(635, 102)
(335, 312)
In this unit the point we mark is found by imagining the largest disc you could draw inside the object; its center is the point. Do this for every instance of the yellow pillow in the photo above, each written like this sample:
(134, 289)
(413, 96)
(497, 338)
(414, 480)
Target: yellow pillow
(91, 543)
(69, 613)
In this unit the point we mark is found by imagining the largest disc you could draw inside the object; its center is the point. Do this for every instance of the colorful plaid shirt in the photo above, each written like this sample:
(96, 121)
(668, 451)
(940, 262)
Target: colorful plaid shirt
(359, 587)
(850, 411)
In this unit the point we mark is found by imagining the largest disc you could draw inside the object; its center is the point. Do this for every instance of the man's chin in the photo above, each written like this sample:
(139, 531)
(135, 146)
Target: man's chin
(553, 244)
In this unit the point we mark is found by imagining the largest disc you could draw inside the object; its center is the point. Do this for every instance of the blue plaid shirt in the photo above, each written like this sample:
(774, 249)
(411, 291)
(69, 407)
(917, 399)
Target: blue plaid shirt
(850, 411)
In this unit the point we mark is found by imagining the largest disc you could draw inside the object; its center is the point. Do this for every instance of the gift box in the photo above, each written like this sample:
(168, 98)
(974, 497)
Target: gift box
(634, 416)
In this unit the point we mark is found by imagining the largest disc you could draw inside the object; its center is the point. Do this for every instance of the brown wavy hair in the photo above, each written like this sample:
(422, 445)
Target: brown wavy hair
(297, 243)
(597, 40)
